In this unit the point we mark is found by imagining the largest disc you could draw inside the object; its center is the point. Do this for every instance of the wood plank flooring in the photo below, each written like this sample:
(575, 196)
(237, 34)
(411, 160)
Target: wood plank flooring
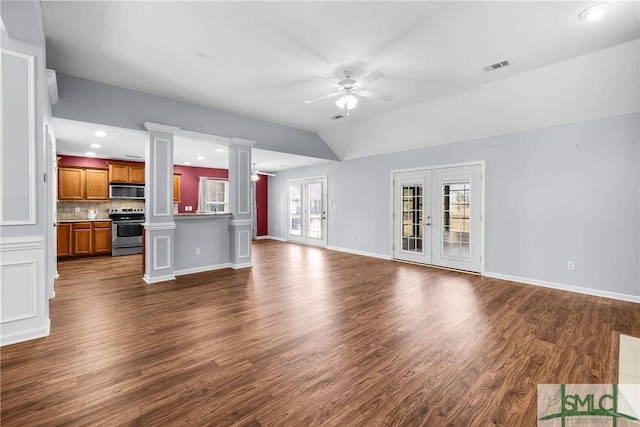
(307, 337)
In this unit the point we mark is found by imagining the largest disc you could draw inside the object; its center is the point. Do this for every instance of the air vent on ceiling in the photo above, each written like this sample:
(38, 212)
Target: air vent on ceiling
(497, 65)
(338, 117)
(133, 157)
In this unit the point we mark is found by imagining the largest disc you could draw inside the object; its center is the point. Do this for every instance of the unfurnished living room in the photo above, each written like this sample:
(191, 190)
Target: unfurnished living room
(320, 213)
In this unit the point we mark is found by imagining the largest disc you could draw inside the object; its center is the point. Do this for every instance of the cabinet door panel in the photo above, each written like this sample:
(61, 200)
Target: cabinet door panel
(136, 174)
(64, 240)
(70, 184)
(81, 240)
(97, 184)
(118, 173)
(101, 237)
(176, 188)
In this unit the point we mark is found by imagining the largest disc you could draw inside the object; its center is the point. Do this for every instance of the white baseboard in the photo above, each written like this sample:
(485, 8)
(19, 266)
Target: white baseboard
(202, 269)
(30, 334)
(564, 287)
(158, 279)
(280, 239)
(239, 266)
(356, 252)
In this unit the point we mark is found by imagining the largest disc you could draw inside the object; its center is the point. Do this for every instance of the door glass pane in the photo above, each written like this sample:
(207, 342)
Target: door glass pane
(315, 210)
(455, 219)
(412, 217)
(295, 210)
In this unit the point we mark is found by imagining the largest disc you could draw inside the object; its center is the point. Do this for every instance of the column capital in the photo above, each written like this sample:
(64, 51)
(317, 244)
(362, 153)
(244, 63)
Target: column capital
(241, 141)
(160, 127)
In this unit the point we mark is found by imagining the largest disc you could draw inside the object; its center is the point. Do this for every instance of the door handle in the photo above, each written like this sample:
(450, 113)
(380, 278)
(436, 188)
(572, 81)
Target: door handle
(427, 224)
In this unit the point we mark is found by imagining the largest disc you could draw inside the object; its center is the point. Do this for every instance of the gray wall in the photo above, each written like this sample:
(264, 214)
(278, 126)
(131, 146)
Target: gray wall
(210, 234)
(564, 193)
(94, 102)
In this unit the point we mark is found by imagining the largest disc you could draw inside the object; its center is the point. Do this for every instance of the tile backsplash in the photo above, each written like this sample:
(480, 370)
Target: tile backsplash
(67, 210)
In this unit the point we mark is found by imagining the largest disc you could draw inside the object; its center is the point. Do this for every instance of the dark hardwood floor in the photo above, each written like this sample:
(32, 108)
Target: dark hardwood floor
(307, 337)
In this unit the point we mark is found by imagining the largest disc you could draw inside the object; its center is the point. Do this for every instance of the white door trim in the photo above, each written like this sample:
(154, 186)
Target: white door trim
(483, 175)
(305, 197)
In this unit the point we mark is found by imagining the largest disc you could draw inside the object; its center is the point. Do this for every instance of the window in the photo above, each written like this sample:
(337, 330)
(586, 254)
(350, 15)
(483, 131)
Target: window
(213, 196)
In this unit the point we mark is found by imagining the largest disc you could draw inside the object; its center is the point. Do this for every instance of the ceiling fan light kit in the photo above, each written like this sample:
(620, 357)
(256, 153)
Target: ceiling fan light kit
(349, 89)
(348, 101)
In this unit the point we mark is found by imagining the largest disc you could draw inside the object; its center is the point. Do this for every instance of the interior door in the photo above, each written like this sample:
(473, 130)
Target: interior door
(437, 217)
(412, 215)
(307, 212)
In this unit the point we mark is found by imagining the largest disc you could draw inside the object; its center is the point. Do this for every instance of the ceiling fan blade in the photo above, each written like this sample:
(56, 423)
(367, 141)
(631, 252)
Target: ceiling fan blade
(265, 173)
(375, 95)
(331, 82)
(370, 78)
(330, 95)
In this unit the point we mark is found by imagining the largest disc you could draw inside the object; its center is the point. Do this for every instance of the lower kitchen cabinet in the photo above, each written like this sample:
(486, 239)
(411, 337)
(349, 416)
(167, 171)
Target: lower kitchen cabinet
(64, 239)
(101, 237)
(84, 238)
(81, 241)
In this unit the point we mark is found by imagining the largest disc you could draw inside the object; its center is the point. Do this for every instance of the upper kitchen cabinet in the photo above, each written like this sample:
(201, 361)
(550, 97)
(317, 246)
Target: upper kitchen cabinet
(96, 184)
(176, 188)
(70, 183)
(83, 184)
(130, 173)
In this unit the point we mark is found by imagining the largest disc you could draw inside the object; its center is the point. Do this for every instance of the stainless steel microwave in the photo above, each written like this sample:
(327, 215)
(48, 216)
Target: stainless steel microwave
(126, 191)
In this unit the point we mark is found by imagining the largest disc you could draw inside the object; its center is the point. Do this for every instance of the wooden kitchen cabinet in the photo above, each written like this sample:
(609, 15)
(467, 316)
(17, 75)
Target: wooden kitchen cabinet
(84, 238)
(70, 183)
(64, 239)
(101, 231)
(118, 173)
(96, 184)
(176, 188)
(136, 174)
(83, 184)
(81, 238)
(126, 173)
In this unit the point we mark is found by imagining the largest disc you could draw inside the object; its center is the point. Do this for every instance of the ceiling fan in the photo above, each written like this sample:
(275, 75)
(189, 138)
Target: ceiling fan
(255, 174)
(349, 88)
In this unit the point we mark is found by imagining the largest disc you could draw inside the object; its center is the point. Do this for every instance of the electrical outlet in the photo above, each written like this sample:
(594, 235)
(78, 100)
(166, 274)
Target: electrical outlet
(77, 210)
(197, 251)
(571, 265)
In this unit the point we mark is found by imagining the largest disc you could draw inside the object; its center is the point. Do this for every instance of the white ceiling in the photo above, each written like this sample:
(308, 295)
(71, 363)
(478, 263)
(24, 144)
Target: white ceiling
(258, 59)
(75, 138)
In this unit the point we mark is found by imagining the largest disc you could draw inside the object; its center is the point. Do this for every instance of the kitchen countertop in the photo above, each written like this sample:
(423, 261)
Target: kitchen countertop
(200, 215)
(82, 220)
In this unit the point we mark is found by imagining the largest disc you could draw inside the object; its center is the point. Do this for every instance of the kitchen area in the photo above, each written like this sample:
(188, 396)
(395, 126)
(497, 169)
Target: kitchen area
(100, 209)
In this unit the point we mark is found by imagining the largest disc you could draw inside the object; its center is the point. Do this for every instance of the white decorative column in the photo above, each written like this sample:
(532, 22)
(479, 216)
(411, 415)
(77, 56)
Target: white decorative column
(159, 225)
(240, 201)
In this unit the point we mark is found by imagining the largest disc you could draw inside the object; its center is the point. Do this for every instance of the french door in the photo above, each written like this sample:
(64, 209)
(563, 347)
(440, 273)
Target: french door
(307, 212)
(438, 215)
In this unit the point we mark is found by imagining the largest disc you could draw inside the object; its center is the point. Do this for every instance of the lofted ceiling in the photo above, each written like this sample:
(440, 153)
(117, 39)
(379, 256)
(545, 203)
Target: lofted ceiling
(259, 59)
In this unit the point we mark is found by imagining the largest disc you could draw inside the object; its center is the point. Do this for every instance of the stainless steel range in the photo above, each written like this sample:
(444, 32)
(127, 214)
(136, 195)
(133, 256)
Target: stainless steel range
(126, 230)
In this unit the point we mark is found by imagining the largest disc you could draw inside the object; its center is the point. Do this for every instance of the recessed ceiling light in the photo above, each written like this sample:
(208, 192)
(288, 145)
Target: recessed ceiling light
(219, 150)
(100, 133)
(96, 145)
(594, 12)
(90, 153)
(200, 157)
(187, 163)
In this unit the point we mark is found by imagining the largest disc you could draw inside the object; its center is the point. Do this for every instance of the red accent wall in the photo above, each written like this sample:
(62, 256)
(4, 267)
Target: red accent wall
(262, 205)
(85, 162)
(189, 185)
